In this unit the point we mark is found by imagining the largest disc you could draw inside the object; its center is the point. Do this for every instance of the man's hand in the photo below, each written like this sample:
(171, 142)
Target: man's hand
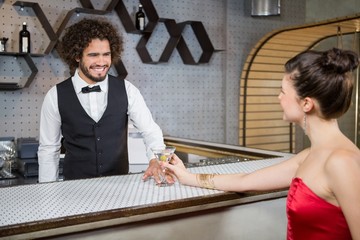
(155, 170)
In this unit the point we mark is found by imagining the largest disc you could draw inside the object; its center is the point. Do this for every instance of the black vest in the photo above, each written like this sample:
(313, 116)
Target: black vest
(94, 149)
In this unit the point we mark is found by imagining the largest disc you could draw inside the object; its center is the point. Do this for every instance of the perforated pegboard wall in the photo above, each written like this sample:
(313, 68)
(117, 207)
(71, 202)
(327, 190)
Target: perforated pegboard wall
(197, 102)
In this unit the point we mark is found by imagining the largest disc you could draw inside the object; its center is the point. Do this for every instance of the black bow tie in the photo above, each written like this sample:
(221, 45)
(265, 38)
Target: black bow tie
(91, 89)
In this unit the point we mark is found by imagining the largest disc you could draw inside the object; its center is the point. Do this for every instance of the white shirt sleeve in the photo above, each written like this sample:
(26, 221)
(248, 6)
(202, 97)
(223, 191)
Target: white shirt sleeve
(142, 119)
(50, 138)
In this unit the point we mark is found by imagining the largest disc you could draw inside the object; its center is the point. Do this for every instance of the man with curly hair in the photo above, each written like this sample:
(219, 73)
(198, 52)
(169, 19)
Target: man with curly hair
(90, 110)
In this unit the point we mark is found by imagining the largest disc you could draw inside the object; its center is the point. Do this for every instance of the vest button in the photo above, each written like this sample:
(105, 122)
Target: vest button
(98, 138)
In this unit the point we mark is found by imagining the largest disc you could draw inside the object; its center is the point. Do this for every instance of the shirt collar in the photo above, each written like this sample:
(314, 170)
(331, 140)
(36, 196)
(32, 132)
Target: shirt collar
(79, 83)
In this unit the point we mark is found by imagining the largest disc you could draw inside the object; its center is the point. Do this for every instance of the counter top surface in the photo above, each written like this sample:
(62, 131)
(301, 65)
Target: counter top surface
(49, 209)
(49, 205)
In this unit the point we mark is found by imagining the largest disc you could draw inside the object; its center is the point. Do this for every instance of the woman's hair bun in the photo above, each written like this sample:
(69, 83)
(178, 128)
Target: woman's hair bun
(340, 61)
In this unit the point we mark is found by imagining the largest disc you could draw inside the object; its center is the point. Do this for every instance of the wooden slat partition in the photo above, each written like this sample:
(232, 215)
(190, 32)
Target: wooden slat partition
(260, 115)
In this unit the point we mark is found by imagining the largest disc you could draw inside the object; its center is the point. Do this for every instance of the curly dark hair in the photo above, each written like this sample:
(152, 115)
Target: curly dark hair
(325, 76)
(79, 35)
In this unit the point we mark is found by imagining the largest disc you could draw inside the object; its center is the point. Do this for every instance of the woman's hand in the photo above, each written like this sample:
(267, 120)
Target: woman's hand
(176, 167)
(156, 171)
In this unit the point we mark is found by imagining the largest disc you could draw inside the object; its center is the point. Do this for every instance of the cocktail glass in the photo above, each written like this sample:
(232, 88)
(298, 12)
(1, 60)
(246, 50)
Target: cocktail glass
(164, 154)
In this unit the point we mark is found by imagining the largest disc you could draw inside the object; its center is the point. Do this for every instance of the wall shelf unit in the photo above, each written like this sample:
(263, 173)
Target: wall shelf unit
(33, 71)
(174, 33)
(174, 29)
(203, 39)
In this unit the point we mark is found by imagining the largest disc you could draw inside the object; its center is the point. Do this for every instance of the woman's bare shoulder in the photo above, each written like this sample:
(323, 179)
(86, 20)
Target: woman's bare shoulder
(343, 161)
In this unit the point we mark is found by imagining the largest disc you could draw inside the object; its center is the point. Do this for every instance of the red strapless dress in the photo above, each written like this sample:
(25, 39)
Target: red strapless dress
(311, 217)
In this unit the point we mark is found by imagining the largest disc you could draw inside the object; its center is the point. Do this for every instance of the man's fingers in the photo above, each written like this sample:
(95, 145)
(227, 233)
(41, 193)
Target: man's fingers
(157, 176)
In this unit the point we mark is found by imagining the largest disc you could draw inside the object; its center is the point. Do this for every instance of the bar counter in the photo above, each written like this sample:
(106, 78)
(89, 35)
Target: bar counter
(64, 208)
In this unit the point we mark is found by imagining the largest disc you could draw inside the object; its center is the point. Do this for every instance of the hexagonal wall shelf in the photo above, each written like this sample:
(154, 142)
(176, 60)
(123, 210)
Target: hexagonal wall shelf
(204, 41)
(27, 57)
(174, 33)
(26, 83)
(43, 20)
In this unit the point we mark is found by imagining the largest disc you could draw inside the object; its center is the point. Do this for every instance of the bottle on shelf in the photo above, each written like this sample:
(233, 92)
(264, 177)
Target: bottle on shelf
(24, 39)
(3, 41)
(140, 19)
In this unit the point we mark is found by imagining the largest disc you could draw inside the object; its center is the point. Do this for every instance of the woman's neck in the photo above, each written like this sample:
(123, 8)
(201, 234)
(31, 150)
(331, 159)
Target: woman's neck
(321, 131)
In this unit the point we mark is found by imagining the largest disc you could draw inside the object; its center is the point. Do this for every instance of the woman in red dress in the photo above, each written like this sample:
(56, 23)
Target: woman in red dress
(324, 180)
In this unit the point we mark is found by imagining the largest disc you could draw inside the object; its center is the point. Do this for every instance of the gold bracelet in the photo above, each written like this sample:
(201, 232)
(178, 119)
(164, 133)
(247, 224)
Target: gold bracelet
(206, 180)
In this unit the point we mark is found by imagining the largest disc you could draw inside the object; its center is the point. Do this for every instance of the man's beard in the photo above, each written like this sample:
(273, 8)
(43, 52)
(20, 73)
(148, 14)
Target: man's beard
(91, 77)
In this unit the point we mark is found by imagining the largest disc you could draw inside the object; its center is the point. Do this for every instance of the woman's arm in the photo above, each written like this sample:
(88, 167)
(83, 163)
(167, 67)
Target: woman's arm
(269, 178)
(343, 176)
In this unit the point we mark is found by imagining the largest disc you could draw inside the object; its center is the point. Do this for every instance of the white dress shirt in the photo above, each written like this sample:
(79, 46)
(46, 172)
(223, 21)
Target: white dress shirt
(94, 104)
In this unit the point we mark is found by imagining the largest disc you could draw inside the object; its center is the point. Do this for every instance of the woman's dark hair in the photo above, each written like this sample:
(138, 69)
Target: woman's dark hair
(78, 36)
(325, 76)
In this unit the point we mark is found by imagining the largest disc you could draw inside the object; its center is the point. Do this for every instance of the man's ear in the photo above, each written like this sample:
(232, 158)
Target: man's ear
(307, 104)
